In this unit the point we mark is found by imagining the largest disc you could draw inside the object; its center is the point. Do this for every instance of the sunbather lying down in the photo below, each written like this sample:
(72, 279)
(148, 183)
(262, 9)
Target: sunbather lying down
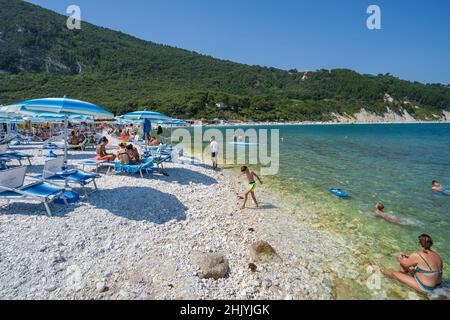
(102, 155)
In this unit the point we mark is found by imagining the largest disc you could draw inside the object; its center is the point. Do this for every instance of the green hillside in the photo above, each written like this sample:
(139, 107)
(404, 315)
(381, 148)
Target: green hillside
(40, 57)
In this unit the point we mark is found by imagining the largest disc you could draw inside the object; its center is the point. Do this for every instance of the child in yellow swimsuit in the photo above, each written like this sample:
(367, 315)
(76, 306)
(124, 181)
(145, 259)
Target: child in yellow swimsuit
(251, 186)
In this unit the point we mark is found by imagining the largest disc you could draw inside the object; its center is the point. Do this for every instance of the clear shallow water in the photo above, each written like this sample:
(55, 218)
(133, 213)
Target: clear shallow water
(394, 164)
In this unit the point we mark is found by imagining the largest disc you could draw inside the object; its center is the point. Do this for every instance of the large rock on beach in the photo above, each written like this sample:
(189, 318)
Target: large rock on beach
(262, 251)
(212, 265)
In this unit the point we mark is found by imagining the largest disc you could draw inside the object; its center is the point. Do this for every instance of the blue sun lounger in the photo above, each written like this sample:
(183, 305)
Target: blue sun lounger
(12, 189)
(53, 172)
(18, 156)
(160, 155)
(160, 160)
(146, 166)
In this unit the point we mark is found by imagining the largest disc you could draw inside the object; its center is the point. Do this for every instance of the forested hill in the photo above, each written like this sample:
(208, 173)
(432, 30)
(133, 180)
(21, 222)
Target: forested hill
(40, 57)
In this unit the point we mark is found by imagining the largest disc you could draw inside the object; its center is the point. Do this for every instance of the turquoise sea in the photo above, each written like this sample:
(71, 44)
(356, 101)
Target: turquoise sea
(394, 164)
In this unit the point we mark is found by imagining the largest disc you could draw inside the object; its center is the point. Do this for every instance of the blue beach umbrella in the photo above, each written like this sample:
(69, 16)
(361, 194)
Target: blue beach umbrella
(81, 118)
(46, 118)
(142, 115)
(171, 123)
(146, 115)
(62, 106)
(59, 106)
(122, 122)
(12, 120)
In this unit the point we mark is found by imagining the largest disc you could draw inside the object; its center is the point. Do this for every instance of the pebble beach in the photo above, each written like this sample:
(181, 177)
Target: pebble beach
(146, 238)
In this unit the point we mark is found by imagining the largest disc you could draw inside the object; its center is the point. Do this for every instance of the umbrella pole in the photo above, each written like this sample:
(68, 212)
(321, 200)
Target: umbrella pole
(145, 135)
(66, 136)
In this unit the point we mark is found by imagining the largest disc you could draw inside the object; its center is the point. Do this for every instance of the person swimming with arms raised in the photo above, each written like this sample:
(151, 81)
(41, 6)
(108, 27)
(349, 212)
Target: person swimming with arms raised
(379, 213)
(421, 270)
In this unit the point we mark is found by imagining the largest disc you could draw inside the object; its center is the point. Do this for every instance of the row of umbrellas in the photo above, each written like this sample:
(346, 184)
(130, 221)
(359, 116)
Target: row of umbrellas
(63, 110)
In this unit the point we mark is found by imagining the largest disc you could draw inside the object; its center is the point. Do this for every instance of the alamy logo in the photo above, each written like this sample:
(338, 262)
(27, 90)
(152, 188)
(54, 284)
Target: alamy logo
(74, 20)
(374, 282)
(243, 147)
(374, 20)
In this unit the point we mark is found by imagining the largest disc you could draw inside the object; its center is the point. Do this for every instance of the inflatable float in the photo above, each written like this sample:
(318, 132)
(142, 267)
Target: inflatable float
(237, 143)
(339, 193)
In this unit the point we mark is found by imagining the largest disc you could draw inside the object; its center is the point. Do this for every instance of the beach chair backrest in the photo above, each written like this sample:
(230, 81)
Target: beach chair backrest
(3, 148)
(12, 178)
(53, 166)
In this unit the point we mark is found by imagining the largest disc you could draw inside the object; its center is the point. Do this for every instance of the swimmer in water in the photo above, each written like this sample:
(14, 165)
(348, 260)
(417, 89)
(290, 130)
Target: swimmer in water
(437, 187)
(379, 213)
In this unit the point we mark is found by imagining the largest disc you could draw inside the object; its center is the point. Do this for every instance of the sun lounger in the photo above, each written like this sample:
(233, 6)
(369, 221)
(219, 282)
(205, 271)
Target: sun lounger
(8, 138)
(145, 167)
(4, 163)
(160, 160)
(51, 144)
(12, 189)
(80, 146)
(97, 164)
(53, 172)
(18, 156)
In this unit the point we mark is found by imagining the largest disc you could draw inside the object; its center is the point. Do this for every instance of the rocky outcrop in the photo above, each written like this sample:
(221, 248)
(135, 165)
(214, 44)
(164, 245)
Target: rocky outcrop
(262, 251)
(365, 116)
(212, 266)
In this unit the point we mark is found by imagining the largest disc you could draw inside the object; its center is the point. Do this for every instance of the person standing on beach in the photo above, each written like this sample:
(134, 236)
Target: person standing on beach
(251, 186)
(214, 146)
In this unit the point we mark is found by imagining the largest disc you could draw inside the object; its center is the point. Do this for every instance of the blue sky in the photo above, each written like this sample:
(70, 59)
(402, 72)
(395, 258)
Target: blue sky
(413, 44)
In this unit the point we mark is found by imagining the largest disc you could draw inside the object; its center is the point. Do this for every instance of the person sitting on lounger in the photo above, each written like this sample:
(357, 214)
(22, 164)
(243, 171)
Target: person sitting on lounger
(153, 142)
(102, 155)
(81, 137)
(124, 135)
(133, 153)
(73, 139)
(122, 154)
